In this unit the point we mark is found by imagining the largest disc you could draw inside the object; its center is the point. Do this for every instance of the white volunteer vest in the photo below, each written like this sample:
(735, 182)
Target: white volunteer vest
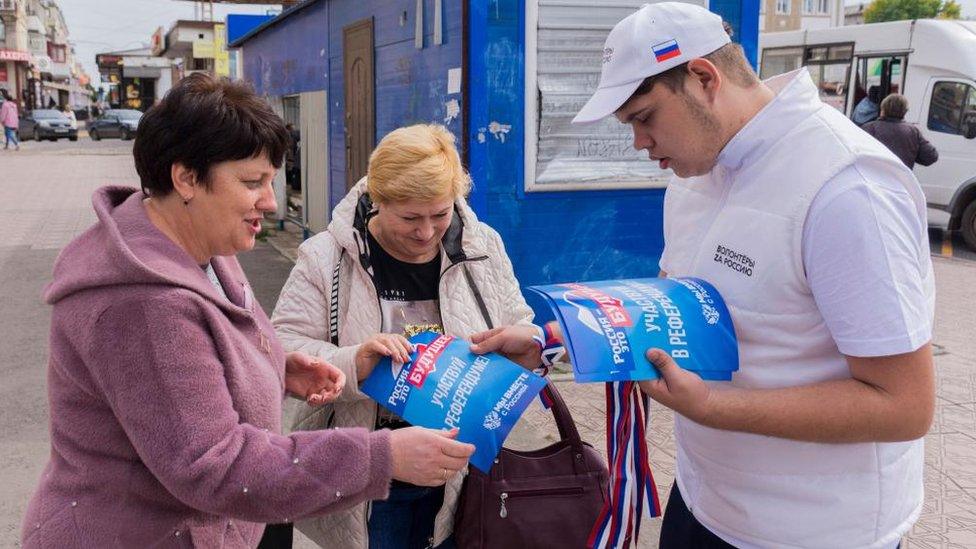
(740, 227)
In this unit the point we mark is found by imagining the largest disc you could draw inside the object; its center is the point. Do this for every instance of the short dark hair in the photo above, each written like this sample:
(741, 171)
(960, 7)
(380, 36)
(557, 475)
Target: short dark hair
(874, 94)
(203, 121)
(894, 106)
(730, 59)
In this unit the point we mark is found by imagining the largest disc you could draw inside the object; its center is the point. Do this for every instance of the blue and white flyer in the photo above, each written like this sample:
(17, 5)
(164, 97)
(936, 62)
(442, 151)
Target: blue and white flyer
(445, 385)
(608, 325)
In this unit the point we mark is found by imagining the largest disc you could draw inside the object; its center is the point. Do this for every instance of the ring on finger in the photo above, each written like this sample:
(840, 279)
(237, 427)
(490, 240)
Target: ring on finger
(445, 474)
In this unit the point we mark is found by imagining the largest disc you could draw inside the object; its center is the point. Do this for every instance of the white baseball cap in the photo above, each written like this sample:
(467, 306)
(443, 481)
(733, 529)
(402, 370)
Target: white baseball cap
(655, 38)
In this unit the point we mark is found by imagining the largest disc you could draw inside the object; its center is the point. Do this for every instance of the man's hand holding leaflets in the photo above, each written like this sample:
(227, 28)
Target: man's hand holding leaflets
(669, 336)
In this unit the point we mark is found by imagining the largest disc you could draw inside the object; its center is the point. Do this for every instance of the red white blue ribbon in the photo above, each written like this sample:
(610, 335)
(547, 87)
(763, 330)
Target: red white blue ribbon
(552, 351)
(633, 494)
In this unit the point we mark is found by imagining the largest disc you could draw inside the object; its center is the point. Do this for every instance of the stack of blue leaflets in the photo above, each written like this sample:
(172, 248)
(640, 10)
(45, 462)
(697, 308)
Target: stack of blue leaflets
(608, 325)
(445, 386)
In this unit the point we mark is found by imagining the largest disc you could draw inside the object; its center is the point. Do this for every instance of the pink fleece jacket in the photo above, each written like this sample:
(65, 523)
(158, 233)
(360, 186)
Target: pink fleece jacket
(9, 117)
(166, 404)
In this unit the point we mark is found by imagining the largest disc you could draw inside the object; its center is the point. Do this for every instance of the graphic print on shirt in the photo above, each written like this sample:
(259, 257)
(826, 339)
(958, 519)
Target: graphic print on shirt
(408, 294)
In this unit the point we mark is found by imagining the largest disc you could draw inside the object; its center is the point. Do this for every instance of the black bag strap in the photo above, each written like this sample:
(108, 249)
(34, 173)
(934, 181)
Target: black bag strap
(478, 297)
(564, 418)
(334, 302)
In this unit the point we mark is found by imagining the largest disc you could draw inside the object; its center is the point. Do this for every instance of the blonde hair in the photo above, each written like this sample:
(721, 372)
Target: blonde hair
(416, 162)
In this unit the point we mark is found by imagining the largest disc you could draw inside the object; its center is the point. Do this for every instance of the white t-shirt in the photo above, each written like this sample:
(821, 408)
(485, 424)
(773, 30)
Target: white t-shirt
(876, 306)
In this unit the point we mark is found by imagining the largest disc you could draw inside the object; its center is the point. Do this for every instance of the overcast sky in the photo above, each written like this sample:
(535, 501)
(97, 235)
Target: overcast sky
(97, 26)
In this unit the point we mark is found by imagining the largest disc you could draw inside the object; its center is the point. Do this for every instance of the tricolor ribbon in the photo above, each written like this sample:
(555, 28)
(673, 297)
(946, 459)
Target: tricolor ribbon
(633, 494)
(552, 351)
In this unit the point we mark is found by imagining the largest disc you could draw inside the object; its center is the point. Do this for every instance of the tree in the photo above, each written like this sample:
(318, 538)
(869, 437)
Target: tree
(898, 10)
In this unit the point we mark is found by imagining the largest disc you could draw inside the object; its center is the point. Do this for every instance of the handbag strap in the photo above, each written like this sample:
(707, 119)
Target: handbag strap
(564, 418)
(567, 432)
(334, 302)
(478, 297)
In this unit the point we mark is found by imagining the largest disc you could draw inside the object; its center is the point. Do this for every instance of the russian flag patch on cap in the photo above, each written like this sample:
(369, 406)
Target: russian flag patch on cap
(666, 50)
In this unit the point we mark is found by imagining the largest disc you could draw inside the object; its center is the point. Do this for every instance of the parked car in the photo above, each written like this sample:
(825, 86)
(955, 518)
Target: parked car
(46, 124)
(121, 123)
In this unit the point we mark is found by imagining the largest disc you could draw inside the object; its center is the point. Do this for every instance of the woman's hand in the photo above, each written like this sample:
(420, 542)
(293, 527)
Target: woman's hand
(313, 379)
(518, 343)
(426, 457)
(373, 350)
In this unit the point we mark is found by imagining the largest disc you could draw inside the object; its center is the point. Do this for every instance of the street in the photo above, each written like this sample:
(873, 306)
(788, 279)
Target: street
(45, 194)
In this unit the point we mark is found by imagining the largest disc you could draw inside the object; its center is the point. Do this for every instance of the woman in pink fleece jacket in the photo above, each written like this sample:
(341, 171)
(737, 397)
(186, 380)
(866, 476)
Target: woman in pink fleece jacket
(165, 377)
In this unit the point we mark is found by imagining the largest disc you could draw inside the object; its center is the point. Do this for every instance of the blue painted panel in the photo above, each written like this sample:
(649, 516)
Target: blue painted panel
(389, 23)
(292, 57)
(411, 84)
(239, 24)
(743, 15)
(550, 237)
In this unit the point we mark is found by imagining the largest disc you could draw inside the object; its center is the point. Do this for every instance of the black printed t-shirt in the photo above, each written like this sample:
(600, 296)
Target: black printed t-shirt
(409, 302)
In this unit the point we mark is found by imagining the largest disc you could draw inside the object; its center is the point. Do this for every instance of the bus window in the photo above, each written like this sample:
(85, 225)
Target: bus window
(780, 60)
(885, 72)
(831, 80)
(830, 69)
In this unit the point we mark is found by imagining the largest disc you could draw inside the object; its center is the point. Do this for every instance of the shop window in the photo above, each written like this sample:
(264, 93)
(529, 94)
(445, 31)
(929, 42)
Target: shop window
(953, 108)
(561, 156)
(816, 7)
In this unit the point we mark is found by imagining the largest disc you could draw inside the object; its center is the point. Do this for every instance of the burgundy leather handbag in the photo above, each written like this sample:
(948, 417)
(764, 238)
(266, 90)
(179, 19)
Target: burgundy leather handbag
(543, 498)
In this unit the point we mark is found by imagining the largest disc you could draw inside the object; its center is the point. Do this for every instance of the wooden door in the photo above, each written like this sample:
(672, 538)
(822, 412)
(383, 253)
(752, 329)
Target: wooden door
(357, 69)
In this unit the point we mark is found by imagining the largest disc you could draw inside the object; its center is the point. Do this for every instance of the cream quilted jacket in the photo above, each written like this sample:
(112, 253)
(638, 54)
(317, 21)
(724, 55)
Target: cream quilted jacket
(301, 320)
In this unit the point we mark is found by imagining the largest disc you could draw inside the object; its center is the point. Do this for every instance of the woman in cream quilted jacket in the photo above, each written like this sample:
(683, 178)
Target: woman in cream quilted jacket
(410, 256)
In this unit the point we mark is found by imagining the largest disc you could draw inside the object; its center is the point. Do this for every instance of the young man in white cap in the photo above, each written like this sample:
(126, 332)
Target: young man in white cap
(815, 235)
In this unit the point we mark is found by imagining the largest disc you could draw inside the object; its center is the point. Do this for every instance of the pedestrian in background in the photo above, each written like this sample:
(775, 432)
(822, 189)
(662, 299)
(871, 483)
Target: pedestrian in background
(866, 109)
(293, 170)
(165, 376)
(10, 119)
(904, 139)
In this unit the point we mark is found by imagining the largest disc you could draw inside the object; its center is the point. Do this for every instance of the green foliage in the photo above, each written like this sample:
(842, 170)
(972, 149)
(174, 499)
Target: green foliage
(898, 10)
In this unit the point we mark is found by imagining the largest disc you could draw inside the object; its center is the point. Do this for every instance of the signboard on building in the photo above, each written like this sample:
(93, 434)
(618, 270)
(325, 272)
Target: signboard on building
(103, 60)
(3, 72)
(158, 41)
(221, 58)
(14, 55)
(43, 63)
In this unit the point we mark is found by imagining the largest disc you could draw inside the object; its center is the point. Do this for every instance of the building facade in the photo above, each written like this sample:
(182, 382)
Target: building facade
(37, 61)
(135, 79)
(571, 203)
(786, 15)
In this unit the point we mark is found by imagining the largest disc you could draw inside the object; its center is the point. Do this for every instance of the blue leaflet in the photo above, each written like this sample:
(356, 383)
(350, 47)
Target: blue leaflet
(445, 385)
(608, 325)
